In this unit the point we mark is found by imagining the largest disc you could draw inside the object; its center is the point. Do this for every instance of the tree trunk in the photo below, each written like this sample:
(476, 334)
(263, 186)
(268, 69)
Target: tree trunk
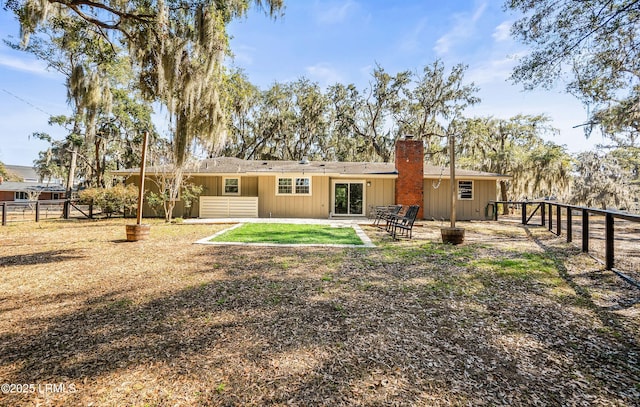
(168, 210)
(503, 197)
(72, 171)
(99, 169)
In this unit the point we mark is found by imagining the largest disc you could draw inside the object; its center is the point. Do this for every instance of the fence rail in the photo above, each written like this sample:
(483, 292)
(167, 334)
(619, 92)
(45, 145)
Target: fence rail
(612, 231)
(16, 211)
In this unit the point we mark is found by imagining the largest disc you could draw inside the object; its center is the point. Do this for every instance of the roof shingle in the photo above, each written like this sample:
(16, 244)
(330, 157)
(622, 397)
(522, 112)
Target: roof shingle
(232, 165)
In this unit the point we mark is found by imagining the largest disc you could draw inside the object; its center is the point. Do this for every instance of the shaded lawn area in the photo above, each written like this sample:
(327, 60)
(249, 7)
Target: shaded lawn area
(512, 317)
(283, 233)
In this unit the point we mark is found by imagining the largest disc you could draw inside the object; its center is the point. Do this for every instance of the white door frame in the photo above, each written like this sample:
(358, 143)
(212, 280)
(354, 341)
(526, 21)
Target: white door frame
(348, 181)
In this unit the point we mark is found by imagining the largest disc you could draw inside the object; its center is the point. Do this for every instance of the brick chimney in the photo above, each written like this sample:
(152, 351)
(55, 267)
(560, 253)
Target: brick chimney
(410, 167)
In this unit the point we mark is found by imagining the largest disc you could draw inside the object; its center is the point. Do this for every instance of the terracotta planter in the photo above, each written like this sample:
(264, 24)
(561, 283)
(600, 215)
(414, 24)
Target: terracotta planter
(137, 232)
(452, 235)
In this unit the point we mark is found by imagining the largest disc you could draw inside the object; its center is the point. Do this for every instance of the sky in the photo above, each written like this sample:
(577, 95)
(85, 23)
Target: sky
(326, 42)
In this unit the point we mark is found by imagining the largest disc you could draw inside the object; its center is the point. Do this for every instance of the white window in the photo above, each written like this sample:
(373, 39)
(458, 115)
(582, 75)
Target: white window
(293, 186)
(21, 196)
(231, 186)
(285, 186)
(465, 190)
(56, 195)
(303, 186)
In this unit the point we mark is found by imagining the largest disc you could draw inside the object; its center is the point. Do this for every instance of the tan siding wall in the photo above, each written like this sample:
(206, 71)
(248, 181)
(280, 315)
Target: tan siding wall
(319, 205)
(249, 186)
(437, 202)
(212, 187)
(315, 205)
(150, 186)
(381, 193)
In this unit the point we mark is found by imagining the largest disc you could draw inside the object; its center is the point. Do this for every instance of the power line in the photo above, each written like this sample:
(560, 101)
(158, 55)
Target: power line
(27, 102)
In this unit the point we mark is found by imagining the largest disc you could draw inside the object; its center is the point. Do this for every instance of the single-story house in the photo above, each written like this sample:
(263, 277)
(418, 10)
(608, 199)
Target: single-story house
(28, 174)
(27, 191)
(235, 187)
(26, 185)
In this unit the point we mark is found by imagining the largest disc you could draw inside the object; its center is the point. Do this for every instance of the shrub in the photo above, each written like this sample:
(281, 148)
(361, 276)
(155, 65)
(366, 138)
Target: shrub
(155, 202)
(112, 200)
(190, 194)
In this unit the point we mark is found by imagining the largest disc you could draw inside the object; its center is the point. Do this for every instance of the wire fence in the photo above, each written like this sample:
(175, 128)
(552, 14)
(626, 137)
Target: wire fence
(612, 237)
(30, 211)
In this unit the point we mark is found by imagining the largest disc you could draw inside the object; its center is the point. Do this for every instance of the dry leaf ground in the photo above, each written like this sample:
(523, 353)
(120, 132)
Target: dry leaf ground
(512, 317)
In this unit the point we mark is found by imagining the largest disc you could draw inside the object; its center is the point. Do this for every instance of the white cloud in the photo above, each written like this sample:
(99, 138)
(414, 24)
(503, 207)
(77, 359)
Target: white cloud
(502, 32)
(335, 12)
(324, 73)
(496, 69)
(491, 71)
(463, 28)
(24, 65)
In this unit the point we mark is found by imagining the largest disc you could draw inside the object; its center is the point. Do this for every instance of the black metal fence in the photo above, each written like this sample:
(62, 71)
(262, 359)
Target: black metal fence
(610, 236)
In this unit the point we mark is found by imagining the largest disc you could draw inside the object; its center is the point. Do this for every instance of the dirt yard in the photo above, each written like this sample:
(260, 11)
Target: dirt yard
(513, 316)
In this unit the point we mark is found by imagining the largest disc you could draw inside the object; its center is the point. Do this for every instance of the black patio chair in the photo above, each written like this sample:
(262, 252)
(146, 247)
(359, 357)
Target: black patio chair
(404, 224)
(384, 212)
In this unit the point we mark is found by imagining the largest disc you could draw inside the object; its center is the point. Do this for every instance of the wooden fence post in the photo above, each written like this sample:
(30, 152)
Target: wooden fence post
(569, 225)
(91, 209)
(550, 217)
(4, 214)
(608, 235)
(524, 213)
(542, 214)
(559, 219)
(37, 211)
(585, 231)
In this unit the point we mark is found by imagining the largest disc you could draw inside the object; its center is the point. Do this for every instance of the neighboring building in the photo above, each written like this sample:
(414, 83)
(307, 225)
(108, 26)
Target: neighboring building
(30, 175)
(27, 191)
(30, 188)
(312, 189)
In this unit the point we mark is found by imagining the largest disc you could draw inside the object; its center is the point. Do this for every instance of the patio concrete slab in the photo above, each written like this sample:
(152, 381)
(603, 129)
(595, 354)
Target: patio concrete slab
(297, 221)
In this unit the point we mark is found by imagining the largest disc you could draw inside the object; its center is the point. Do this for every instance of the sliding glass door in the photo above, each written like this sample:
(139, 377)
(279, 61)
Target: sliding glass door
(348, 198)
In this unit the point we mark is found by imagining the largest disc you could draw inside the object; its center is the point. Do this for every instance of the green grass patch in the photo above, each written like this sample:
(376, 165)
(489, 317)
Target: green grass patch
(284, 233)
(527, 266)
(430, 252)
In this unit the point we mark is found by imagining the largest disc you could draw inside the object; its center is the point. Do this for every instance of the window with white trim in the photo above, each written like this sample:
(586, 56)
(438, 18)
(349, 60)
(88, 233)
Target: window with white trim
(303, 186)
(285, 186)
(465, 190)
(293, 186)
(21, 196)
(231, 186)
